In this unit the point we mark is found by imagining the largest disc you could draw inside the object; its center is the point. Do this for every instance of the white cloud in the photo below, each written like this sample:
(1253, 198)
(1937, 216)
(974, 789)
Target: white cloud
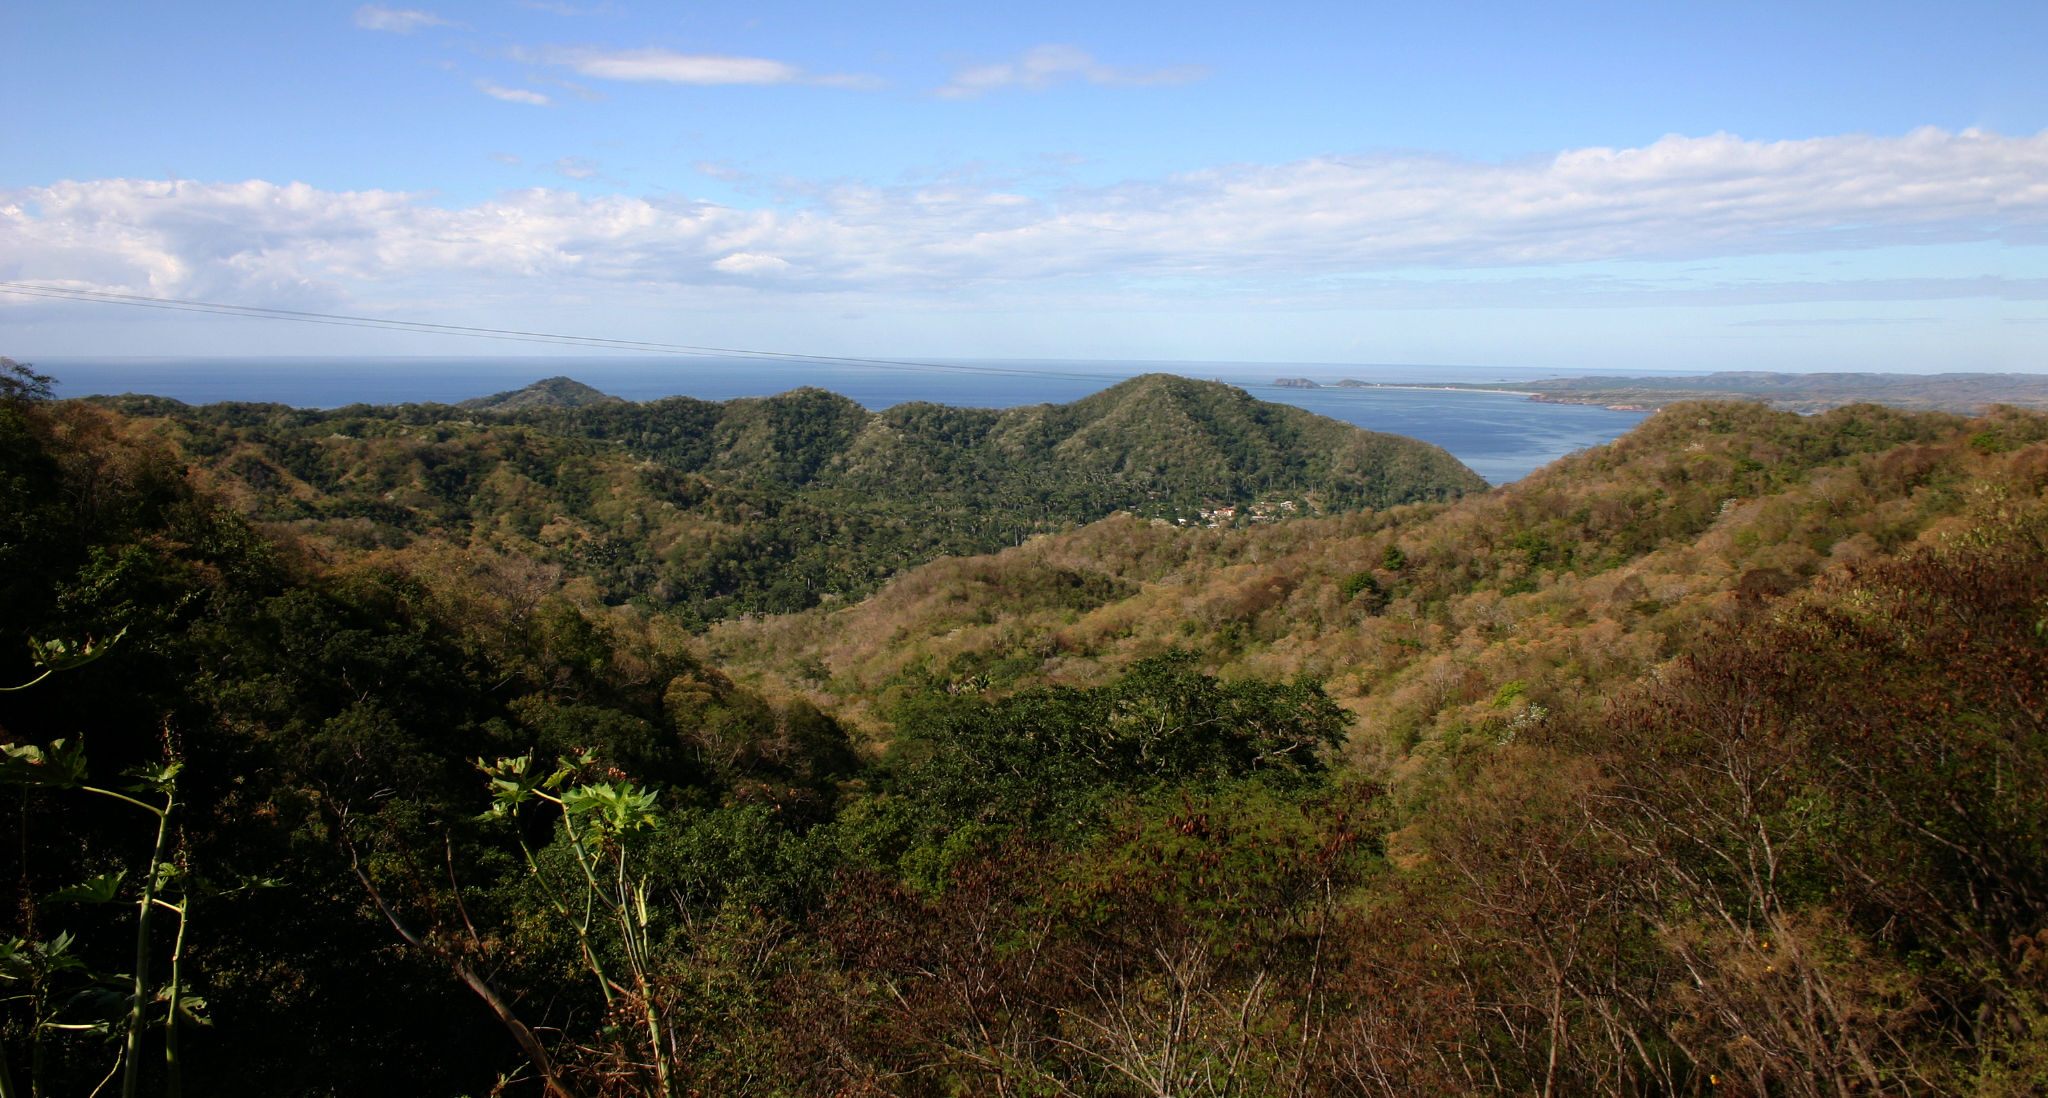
(397, 20)
(660, 66)
(513, 95)
(1043, 66)
(1313, 227)
(575, 167)
(747, 263)
(669, 67)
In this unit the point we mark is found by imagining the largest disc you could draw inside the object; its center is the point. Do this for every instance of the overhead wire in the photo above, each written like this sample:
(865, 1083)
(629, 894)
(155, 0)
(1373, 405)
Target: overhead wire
(216, 308)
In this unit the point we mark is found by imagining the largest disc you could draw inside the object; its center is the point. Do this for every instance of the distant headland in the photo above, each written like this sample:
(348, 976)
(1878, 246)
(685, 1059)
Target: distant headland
(1805, 393)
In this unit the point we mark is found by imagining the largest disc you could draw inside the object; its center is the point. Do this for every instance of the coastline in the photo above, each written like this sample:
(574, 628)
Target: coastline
(1539, 398)
(1426, 388)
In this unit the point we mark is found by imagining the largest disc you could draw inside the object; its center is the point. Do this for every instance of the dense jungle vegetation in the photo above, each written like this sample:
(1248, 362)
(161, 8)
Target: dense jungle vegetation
(1708, 761)
(707, 510)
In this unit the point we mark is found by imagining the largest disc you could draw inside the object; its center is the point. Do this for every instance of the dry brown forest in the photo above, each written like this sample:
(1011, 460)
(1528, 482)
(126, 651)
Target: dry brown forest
(1706, 762)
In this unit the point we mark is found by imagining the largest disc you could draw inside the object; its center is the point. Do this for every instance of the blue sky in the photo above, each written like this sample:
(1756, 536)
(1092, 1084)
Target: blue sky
(1781, 186)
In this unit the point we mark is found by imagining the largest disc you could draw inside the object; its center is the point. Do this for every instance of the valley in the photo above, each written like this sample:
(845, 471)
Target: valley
(780, 747)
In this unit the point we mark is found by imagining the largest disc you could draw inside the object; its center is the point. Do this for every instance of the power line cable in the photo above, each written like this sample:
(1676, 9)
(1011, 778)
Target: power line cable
(173, 304)
(422, 327)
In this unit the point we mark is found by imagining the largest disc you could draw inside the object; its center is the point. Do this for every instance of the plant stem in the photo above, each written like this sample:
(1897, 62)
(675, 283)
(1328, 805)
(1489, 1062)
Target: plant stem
(174, 1068)
(654, 1036)
(582, 925)
(131, 1074)
(37, 1058)
(29, 683)
(636, 945)
(7, 1080)
(591, 893)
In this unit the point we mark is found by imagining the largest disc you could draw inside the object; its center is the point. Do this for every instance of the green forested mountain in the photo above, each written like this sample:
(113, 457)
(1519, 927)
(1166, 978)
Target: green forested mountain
(1704, 762)
(549, 392)
(1638, 542)
(774, 504)
(1156, 445)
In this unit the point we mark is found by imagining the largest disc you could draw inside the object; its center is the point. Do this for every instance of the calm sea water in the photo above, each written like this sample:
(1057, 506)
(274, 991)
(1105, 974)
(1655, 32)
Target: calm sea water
(1501, 436)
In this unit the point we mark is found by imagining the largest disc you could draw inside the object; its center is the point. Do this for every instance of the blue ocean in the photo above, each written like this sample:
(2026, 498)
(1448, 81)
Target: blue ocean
(1501, 436)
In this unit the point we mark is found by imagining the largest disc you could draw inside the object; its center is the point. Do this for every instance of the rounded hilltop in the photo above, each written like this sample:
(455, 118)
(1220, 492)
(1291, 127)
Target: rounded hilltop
(551, 392)
(1156, 444)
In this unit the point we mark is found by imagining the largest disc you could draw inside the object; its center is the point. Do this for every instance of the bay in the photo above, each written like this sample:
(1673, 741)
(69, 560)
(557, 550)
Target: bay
(1501, 436)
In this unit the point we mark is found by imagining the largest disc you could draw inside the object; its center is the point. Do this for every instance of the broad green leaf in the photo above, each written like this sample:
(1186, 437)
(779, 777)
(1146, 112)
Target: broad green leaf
(63, 655)
(97, 890)
(155, 777)
(60, 766)
(613, 808)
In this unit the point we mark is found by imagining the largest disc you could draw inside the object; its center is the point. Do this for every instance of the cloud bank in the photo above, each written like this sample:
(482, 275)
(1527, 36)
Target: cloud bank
(1246, 226)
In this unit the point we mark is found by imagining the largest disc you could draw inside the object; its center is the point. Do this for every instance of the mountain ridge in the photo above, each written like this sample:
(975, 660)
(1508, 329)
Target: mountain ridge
(1149, 429)
(771, 504)
(1396, 789)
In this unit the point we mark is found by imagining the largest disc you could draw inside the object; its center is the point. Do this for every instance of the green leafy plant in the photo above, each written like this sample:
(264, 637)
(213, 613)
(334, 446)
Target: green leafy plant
(63, 995)
(63, 655)
(598, 821)
(62, 766)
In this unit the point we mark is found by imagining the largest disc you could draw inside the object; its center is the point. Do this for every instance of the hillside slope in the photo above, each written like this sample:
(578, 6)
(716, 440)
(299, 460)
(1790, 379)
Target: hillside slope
(1705, 762)
(778, 503)
(1574, 580)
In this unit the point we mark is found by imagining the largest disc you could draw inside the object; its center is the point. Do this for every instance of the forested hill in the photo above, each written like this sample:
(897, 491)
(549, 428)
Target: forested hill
(1586, 572)
(1705, 762)
(1156, 445)
(776, 503)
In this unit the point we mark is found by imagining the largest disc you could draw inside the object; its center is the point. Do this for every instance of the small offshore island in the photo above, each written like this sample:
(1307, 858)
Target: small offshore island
(1168, 741)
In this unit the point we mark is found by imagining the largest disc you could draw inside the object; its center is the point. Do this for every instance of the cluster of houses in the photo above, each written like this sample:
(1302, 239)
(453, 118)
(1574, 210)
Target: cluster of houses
(1262, 511)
